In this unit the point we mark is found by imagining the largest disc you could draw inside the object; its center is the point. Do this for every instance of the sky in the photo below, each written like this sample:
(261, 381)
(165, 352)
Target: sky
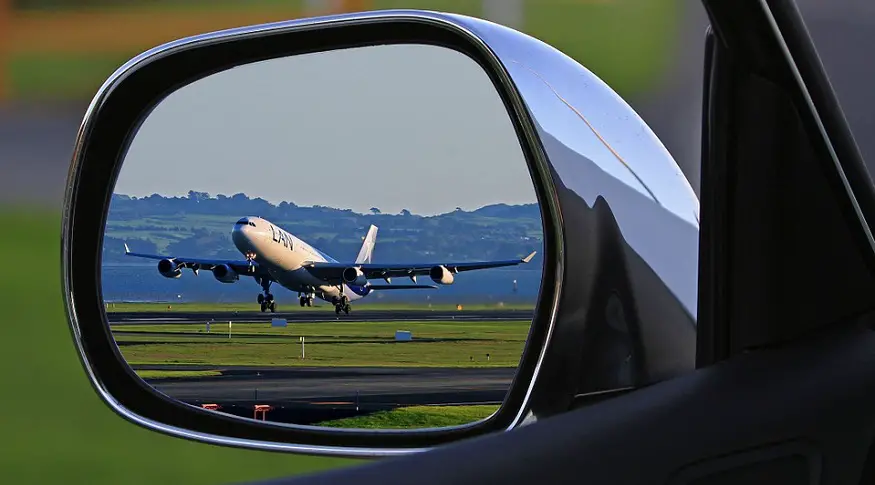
(395, 127)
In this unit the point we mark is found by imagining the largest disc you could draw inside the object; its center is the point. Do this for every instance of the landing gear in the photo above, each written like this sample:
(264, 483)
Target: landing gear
(265, 299)
(268, 305)
(250, 267)
(305, 300)
(342, 305)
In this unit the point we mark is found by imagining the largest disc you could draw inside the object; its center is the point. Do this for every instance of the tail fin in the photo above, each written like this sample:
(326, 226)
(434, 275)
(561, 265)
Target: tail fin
(367, 249)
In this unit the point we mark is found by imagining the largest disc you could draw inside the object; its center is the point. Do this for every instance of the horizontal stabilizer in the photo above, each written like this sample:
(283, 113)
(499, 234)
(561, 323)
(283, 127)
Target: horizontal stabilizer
(402, 287)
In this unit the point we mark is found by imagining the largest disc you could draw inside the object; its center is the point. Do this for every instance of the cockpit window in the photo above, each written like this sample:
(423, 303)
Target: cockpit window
(251, 223)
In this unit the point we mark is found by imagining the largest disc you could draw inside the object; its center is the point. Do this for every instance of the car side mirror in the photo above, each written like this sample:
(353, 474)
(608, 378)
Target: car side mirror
(617, 236)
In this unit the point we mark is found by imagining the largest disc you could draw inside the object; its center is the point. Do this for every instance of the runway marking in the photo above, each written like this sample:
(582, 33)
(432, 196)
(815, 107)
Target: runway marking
(158, 319)
(417, 318)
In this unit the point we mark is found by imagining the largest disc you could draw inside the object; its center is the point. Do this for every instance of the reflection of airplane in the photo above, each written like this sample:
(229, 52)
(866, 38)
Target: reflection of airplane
(274, 255)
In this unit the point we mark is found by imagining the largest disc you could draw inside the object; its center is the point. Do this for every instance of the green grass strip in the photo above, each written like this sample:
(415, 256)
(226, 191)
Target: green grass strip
(414, 417)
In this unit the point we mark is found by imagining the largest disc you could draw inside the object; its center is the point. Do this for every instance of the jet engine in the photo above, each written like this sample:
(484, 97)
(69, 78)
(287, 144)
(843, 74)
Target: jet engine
(354, 276)
(441, 275)
(225, 274)
(169, 268)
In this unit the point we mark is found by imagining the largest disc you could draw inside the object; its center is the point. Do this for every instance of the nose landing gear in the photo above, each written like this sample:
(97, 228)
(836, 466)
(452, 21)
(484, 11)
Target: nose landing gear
(305, 299)
(250, 267)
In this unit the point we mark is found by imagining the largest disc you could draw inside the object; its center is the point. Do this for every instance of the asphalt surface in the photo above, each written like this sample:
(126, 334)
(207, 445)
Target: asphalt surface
(313, 385)
(308, 395)
(180, 317)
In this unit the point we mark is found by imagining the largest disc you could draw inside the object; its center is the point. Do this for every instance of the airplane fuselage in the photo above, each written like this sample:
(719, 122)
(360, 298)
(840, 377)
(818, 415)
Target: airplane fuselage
(273, 255)
(282, 255)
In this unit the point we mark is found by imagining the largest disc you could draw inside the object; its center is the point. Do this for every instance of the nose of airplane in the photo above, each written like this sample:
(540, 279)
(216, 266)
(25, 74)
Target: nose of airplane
(241, 235)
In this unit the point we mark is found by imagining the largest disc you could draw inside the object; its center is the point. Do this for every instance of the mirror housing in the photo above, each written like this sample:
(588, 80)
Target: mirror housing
(617, 304)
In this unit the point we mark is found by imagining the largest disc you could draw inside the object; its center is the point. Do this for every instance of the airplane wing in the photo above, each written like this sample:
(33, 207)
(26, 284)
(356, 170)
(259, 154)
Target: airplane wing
(402, 287)
(241, 266)
(333, 272)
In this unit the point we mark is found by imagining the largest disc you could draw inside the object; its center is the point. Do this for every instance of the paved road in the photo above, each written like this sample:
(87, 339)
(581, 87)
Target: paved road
(166, 318)
(307, 395)
(311, 395)
(36, 143)
(332, 384)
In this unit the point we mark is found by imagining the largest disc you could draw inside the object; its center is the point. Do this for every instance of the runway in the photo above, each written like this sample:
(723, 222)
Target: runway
(310, 316)
(305, 395)
(308, 395)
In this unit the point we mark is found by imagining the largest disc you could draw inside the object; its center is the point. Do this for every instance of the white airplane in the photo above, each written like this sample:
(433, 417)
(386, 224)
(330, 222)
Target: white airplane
(274, 255)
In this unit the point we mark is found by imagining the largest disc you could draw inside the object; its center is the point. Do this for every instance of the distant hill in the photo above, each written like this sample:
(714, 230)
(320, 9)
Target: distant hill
(199, 225)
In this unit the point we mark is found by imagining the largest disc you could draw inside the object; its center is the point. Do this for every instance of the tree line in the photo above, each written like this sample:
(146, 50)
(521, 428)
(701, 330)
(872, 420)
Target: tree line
(199, 225)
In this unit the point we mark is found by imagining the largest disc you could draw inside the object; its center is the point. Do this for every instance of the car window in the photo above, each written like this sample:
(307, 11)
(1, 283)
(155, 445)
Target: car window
(843, 31)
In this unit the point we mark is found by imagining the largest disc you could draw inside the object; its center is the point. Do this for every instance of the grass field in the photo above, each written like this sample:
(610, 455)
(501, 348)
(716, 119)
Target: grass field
(55, 429)
(370, 344)
(626, 43)
(416, 417)
(318, 306)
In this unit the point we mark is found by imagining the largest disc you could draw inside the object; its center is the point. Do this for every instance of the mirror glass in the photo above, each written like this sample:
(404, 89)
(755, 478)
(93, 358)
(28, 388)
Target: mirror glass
(345, 239)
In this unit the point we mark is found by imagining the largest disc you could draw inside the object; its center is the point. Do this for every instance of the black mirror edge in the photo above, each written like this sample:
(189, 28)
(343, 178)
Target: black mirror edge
(110, 122)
